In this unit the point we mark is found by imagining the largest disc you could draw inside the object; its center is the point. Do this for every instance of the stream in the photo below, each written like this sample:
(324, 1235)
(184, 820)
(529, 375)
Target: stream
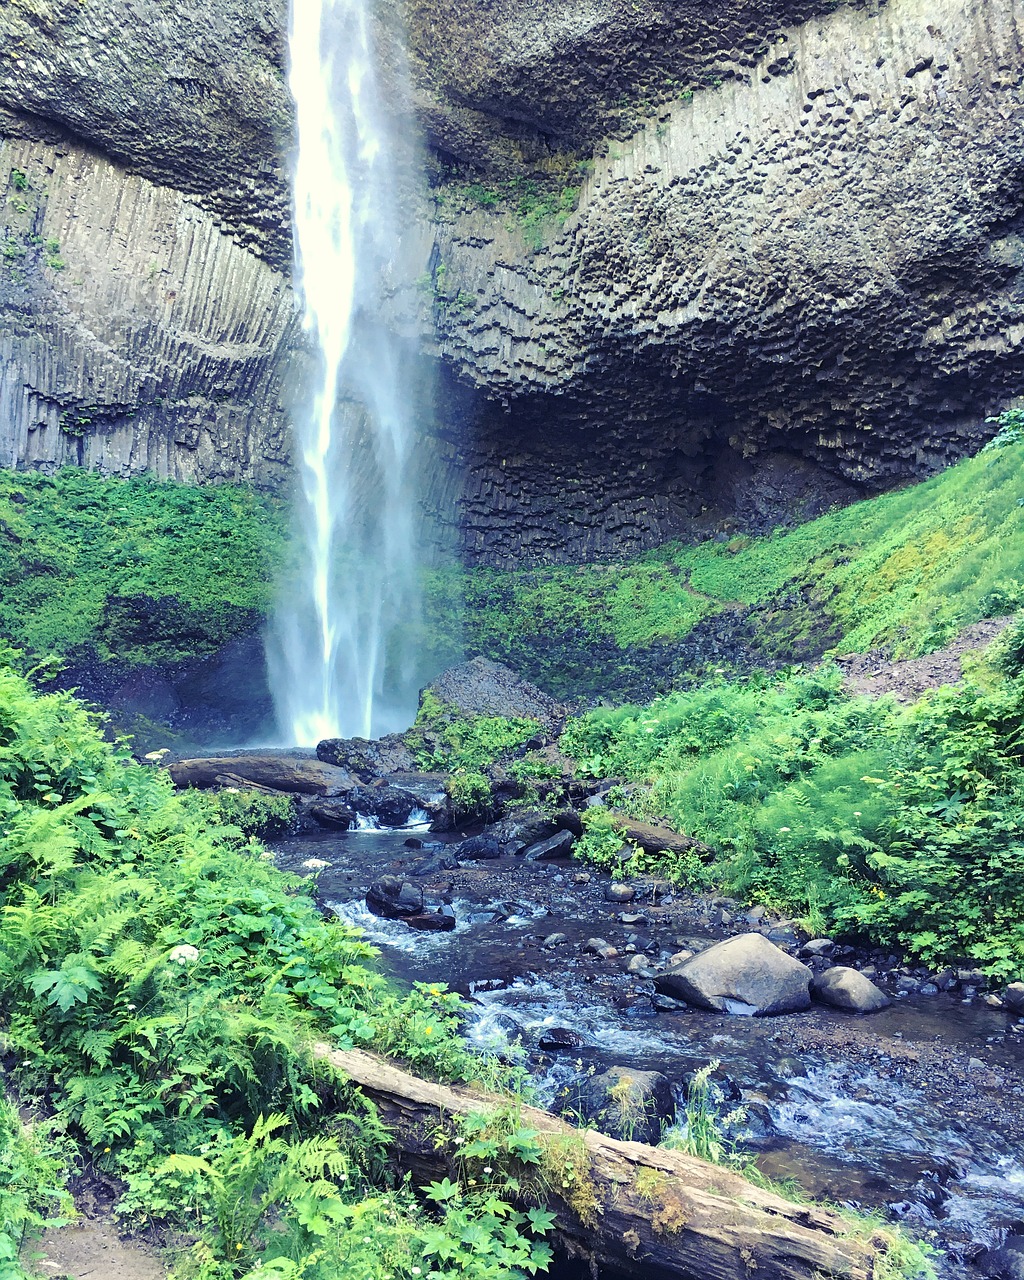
(916, 1111)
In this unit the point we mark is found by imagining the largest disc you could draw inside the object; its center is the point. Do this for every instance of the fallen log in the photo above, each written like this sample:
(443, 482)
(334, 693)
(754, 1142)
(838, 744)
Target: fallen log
(275, 773)
(654, 839)
(643, 1210)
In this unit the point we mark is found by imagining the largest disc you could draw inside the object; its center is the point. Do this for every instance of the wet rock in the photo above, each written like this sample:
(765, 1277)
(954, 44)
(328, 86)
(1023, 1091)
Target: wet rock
(755, 915)
(667, 1004)
(746, 974)
(276, 772)
(391, 806)
(1004, 1263)
(368, 758)
(929, 989)
(413, 842)
(555, 1038)
(555, 940)
(632, 917)
(478, 849)
(394, 898)
(845, 988)
(818, 947)
(524, 828)
(679, 957)
(905, 983)
(617, 892)
(436, 863)
(790, 1069)
(1013, 997)
(440, 921)
(557, 846)
(628, 1104)
(581, 877)
(484, 688)
(601, 948)
(336, 814)
(640, 965)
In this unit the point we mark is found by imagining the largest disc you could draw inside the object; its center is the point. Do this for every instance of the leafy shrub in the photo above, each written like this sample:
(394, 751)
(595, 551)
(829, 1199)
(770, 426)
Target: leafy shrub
(897, 824)
(469, 796)
(252, 812)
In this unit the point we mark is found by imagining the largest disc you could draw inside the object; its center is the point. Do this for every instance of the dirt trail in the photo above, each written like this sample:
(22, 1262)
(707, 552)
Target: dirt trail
(92, 1248)
(907, 679)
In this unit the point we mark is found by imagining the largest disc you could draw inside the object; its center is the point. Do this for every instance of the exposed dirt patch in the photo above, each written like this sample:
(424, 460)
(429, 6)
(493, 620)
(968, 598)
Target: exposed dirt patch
(908, 679)
(92, 1248)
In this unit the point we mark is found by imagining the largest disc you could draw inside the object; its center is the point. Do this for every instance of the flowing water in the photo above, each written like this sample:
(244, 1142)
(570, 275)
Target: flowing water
(336, 654)
(829, 1099)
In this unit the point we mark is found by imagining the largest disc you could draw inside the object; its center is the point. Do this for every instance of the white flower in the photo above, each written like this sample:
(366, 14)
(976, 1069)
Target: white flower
(488, 1169)
(183, 954)
(783, 829)
(415, 1271)
(157, 755)
(856, 813)
(315, 864)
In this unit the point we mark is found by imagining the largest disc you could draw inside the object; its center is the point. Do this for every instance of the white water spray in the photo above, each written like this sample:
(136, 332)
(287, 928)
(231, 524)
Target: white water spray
(335, 651)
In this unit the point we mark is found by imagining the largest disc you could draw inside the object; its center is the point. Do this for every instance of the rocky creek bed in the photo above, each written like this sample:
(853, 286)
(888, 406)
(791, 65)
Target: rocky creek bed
(916, 1110)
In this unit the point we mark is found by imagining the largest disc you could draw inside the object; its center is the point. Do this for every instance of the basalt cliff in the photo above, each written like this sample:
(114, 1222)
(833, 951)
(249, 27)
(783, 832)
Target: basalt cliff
(679, 265)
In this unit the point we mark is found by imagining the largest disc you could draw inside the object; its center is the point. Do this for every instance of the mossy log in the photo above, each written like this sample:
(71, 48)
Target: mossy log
(653, 839)
(646, 1211)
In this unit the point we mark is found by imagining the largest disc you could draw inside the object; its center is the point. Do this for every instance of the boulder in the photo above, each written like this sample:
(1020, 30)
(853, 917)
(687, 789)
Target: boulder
(557, 846)
(521, 829)
(434, 864)
(283, 772)
(846, 988)
(337, 814)
(618, 892)
(746, 975)
(1006, 1262)
(391, 806)
(394, 898)
(1013, 997)
(628, 1104)
(368, 758)
(440, 921)
(484, 688)
(478, 849)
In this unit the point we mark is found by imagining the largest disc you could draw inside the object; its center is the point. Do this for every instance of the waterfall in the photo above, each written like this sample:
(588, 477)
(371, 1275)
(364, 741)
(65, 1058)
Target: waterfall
(336, 650)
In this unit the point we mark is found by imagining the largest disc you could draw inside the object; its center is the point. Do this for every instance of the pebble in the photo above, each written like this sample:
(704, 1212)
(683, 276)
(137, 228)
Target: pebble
(581, 877)
(601, 948)
(617, 892)
(555, 939)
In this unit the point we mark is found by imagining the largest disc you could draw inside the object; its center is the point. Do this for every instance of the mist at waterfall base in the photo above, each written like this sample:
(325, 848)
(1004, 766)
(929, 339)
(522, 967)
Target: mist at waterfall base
(338, 654)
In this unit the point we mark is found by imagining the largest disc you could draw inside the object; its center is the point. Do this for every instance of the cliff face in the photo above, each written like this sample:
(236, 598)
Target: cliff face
(792, 272)
(814, 273)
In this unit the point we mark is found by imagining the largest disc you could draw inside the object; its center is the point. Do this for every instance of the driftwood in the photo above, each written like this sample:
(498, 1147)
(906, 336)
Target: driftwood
(273, 773)
(654, 839)
(653, 1213)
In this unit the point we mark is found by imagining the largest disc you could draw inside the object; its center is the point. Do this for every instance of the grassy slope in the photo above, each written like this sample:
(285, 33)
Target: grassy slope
(905, 569)
(138, 570)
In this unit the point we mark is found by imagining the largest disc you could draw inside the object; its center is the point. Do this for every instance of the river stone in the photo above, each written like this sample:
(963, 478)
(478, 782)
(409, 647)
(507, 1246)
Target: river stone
(478, 848)
(368, 758)
(394, 899)
(484, 688)
(628, 1104)
(561, 1038)
(557, 846)
(1006, 1262)
(845, 988)
(1013, 997)
(391, 806)
(744, 975)
(617, 892)
(440, 921)
(817, 947)
(337, 814)
(520, 830)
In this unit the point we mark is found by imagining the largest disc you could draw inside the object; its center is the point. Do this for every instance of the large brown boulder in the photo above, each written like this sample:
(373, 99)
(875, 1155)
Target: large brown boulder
(747, 975)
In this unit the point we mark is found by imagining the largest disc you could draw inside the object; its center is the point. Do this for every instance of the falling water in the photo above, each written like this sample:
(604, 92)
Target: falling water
(335, 651)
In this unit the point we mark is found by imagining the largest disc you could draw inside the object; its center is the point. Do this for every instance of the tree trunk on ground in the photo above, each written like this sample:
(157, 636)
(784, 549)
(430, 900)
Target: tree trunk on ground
(654, 839)
(645, 1211)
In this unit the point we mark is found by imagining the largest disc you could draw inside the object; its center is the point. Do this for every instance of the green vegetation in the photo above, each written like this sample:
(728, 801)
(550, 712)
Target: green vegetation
(161, 988)
(896, 824)
(133, 571)
(905, 570)
(33, 1192)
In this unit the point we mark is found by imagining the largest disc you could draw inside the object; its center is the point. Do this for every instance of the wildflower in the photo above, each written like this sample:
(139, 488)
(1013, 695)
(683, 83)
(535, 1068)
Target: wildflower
(342, 1177)
(131, 1008)
(238, 1246)
(183, 954)
(427, 1031)
(106, 1151)
(415, 1271)
(783, 829)
(856, 813)
(366, 1239)
(157, 755)
(488, 1169)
